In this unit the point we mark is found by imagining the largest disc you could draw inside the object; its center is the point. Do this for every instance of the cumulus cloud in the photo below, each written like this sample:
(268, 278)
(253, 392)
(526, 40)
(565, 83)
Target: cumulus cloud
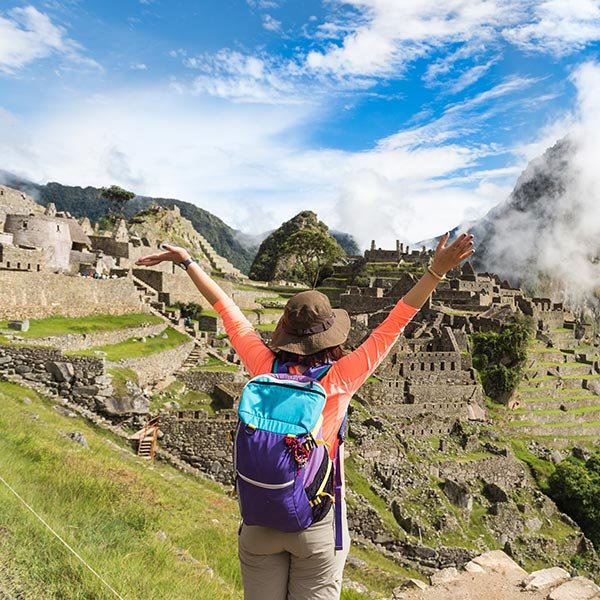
(27, 34)
(248, 164)
(381, 37)
(559, 27)
(362, 42)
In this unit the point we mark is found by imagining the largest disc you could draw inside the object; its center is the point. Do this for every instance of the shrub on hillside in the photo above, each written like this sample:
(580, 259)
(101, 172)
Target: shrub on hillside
(499, 357)
(575, 487)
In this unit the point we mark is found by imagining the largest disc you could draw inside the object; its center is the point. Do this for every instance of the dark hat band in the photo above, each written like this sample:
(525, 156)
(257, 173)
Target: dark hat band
(318, 328)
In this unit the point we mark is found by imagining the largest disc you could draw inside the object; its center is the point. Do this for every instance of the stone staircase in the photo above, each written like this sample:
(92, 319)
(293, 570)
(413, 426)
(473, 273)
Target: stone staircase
(195, 357)
(217, 262)
(559, 395)
(148, 295)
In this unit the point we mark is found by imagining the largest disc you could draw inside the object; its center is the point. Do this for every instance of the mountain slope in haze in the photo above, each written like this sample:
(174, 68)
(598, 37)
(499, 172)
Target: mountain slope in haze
(87, 202)
(545, 236)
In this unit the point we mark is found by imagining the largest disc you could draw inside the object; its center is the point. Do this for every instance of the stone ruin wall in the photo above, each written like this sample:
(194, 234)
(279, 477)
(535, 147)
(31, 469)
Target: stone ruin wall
(202, 441)
(13, 258)
(72, 342)
(503, 471)
(79, 379)
(40, 295)
(50, 234)
(205, 381)
(16, 202)
(154, 367)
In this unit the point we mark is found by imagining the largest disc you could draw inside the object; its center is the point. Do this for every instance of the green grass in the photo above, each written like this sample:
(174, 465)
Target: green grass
(186, 399)
(110, 507)
(136, 348)
(556, 411)
(57, 326)
(360, 485)
(539, 468)
(215, 365)
(131, 520)
(120, 377)
(265, 327)
(380, 575)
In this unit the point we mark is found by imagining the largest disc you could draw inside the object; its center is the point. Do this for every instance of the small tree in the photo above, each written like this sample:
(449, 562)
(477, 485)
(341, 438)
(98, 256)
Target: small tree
(117, 198)
(312, 248)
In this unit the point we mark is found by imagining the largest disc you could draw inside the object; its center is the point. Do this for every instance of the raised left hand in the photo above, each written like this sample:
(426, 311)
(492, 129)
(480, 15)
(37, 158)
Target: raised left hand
(448, 257)
(169, 253)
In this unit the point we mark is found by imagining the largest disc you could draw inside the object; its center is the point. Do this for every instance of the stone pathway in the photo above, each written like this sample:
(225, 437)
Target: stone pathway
(495, 576)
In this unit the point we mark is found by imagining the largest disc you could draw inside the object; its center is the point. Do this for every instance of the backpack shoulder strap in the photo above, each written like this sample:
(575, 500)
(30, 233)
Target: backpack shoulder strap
(317, 373)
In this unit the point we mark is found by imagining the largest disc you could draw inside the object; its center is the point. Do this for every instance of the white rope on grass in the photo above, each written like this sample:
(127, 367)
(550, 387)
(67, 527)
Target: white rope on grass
(74, 552)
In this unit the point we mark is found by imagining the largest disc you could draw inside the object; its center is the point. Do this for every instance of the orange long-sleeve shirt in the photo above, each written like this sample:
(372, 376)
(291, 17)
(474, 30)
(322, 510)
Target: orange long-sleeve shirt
(345, 376)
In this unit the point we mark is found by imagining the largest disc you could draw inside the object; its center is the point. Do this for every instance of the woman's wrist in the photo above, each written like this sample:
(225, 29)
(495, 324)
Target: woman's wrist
(437, 269)
(436, 273)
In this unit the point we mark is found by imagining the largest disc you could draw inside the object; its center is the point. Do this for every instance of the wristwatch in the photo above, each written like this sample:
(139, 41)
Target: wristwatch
(184, 264)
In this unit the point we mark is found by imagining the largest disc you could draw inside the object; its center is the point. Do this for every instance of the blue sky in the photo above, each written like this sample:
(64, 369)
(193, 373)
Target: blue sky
(390, 119)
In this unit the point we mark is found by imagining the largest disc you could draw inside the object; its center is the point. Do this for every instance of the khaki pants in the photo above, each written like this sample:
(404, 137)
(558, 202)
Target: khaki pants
(293, 566)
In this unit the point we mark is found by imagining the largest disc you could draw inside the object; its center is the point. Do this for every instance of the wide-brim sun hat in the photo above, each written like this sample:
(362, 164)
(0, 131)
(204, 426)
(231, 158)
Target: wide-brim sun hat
(309, 325)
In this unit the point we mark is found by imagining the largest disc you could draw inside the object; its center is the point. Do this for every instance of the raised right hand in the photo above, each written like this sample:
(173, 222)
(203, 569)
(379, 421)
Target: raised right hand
(170, 253)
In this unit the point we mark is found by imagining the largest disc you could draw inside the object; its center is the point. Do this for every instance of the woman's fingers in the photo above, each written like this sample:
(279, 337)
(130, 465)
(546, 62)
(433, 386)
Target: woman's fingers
(443, 241)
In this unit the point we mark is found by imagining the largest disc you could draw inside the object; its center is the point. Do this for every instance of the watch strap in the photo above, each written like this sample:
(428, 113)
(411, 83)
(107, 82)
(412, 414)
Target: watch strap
(184, 264)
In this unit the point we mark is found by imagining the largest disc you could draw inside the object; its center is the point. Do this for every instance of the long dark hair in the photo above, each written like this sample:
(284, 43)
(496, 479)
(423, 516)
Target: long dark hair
(327, 355)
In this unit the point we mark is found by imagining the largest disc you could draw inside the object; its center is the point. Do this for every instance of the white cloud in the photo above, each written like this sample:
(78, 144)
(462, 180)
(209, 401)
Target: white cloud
(139, 67)
(247, 164)
(27, 35)
(264, 4)
(558, 236)
(271, 24)
(380, 38)
(558, 26)
(389, 34)
(469, 76)
(244, 78)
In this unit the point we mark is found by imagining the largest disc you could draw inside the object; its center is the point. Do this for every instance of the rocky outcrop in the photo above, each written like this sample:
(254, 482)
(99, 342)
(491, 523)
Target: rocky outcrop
(495, 576)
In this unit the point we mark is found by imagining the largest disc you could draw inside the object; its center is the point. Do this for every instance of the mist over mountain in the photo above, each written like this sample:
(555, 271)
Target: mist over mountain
(546, 236)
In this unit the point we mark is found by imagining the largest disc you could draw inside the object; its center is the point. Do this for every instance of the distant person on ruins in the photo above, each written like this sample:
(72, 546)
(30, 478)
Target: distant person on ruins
(305, 565)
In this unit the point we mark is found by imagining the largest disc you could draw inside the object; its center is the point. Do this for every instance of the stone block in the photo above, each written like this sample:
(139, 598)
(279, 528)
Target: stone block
(4, 360)
(473, 568)
(19, 325)
(87, 391)
(545, 578)
(78, 438)
(578, 588)
(412, 584)
(498, 562)
(444, 576)
(117, 407)
(494, 493)
(458, 493)
(61, 371)
(64, 411)
(22, 369)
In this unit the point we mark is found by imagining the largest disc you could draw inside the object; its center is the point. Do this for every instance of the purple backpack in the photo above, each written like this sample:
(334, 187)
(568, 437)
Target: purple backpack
(284, 476)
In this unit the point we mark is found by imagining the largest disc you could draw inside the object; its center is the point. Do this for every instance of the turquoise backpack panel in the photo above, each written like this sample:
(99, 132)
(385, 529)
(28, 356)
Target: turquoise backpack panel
(281, 406)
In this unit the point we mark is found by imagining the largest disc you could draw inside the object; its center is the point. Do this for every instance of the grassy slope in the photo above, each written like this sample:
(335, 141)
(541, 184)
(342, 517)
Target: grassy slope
(110, 506)
(136, 348)
(56, 326)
